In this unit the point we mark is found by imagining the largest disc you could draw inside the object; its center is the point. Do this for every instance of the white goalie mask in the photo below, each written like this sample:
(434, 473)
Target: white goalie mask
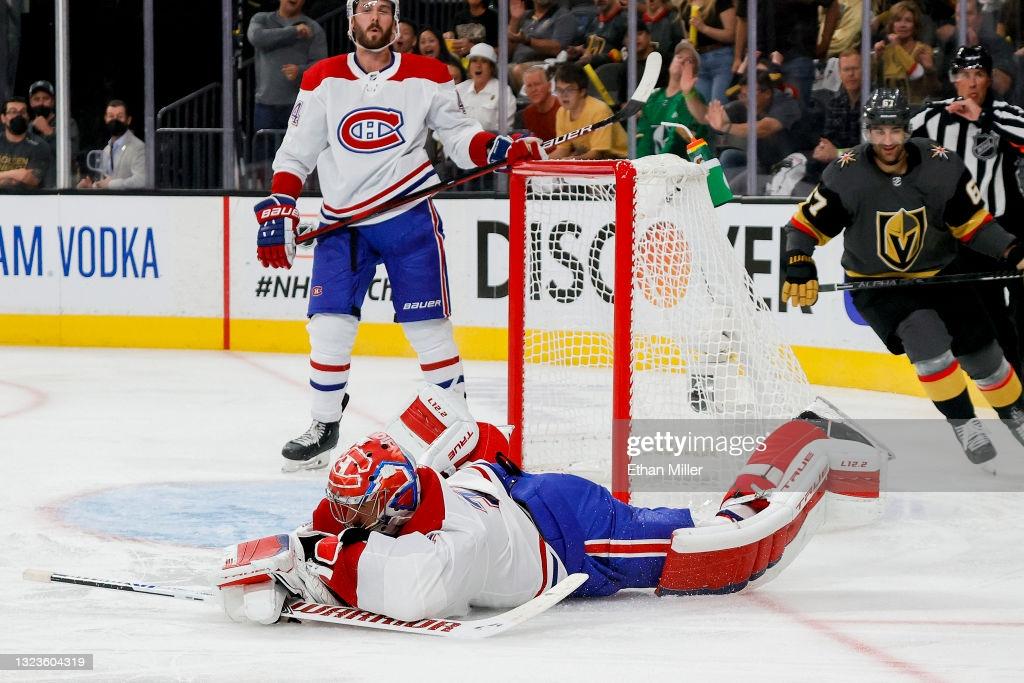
(359, 6)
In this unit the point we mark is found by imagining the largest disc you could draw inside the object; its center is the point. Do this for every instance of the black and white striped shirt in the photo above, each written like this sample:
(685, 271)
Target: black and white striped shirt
(991, 147)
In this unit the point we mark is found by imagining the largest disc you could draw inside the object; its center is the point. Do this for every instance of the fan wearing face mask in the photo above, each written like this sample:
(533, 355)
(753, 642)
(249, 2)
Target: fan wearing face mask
(43, 123)
(123, 162)
(24, 159)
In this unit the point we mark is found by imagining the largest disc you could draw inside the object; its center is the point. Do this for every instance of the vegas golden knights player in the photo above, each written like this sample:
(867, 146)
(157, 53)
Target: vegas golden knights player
(905, 203)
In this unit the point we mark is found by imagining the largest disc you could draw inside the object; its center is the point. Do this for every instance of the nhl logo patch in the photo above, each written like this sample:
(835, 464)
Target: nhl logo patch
(985, 145)
(371, 129)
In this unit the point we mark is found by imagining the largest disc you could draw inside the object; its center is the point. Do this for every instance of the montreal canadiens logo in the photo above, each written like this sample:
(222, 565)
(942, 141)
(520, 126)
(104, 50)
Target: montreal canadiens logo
(371, 130)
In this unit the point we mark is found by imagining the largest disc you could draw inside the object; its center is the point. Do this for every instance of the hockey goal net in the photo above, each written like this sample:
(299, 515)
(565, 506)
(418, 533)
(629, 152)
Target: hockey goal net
(630, 315)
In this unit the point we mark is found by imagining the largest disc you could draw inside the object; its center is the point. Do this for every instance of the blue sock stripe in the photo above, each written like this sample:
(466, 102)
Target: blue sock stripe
(327, 387)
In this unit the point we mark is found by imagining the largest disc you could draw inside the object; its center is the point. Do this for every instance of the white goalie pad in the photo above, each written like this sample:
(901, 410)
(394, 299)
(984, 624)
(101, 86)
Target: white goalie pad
(431, 414)
(726, 557)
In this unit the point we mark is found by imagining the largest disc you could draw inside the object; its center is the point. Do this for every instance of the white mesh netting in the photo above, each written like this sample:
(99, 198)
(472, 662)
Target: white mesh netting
(704, 346)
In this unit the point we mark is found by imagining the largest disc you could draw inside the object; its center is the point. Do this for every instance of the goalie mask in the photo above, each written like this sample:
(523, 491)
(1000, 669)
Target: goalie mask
(373, 486)
(366, 6)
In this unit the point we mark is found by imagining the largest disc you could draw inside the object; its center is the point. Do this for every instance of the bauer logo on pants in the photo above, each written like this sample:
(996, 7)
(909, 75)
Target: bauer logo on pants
(371, 129)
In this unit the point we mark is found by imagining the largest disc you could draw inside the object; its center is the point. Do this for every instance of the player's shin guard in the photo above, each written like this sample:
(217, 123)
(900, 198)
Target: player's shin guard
(944, 384)
(331, 338)
(434, 343)
(1001, 389)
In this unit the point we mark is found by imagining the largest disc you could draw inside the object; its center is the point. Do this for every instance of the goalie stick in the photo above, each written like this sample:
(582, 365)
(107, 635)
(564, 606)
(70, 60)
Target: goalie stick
(652, 69)
(350, 616)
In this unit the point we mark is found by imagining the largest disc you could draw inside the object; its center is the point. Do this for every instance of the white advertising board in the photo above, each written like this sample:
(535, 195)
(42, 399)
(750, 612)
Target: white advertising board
(81, 255)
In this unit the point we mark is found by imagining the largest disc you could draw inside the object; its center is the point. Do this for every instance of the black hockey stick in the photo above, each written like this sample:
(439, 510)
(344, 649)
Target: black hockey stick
(652, 69)
(920, 281)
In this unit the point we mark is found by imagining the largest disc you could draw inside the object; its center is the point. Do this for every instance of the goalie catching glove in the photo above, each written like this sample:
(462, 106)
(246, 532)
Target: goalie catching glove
(513, 150)
(801, 286)
(275, 241)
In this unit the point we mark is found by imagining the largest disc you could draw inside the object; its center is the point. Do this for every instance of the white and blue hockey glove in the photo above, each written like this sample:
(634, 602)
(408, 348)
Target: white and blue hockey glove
(275, 241)
(512, 150)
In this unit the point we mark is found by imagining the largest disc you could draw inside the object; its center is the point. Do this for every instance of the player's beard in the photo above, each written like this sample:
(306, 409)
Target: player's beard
(376, 44)
(893, 163)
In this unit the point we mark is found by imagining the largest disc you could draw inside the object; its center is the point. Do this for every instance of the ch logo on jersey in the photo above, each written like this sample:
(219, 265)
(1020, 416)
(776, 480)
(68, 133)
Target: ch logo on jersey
(371, 129)
(901, 236)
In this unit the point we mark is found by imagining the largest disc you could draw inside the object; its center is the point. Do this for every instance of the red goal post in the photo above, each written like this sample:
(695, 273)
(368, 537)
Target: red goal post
(588, 358)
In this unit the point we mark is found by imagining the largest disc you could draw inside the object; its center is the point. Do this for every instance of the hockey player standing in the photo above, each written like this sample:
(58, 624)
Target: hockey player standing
(904, 204)
(988, 134)
(361, 120)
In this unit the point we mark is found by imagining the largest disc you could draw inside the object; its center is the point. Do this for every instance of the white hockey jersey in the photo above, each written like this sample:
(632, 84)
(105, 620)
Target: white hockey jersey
(365, 132)
(467, 544)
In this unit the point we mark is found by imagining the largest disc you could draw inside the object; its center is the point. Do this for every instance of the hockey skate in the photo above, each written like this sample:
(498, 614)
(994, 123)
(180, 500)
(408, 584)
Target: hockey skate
(977, 446)
(1015, 423)
(312, 450)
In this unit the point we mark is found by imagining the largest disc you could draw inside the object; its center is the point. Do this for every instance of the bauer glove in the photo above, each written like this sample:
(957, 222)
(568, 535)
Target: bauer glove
(504, 148)
(801, 285)
(275, 241)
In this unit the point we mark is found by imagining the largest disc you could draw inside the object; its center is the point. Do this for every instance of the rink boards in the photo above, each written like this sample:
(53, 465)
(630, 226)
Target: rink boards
(181, 272)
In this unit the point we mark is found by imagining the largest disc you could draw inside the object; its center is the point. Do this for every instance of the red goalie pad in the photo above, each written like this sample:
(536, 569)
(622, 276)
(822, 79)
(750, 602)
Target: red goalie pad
(725, 557)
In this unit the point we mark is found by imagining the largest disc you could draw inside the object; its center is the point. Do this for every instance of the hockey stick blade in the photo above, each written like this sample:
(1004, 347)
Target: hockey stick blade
(652, 69)
(921, 281)
(42, 576)
(446, 628)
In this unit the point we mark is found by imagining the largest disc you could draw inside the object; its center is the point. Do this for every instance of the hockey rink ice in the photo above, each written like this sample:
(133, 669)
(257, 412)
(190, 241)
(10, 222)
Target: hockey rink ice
(139, 465)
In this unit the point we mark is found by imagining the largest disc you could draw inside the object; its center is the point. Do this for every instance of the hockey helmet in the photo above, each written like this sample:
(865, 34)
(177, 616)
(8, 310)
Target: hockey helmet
(373, 485)
(887, 107)
(353, 6)
(971, 57)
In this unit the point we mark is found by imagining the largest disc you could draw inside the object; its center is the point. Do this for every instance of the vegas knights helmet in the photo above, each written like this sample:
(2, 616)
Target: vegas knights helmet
(356, 6)
(373, 485)
(887, 107)
(971, 57)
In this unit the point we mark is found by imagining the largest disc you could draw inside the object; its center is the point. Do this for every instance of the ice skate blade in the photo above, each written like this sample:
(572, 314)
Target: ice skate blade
(314, 463)
(988, 467)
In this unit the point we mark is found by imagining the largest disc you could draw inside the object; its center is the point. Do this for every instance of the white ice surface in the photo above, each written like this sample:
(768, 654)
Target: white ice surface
(128, 439)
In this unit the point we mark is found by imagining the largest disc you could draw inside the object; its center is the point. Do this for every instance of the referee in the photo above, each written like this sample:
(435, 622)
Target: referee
(988, 134)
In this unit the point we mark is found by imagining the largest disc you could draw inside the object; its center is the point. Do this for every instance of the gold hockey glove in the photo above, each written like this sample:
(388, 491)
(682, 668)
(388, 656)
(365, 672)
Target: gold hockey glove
(801, 285)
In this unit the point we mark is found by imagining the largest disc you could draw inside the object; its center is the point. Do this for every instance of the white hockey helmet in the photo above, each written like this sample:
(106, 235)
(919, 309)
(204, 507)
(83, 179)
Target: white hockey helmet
(367, 4)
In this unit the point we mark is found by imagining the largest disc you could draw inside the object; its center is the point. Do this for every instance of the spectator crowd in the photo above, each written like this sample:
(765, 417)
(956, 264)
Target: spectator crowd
(568, 66)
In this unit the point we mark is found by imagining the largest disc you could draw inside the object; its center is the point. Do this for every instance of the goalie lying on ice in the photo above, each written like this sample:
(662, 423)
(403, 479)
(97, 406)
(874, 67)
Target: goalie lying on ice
(429, 517)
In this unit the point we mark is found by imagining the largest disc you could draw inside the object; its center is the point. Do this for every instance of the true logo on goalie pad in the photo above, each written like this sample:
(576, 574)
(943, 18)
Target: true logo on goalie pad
(371, 129)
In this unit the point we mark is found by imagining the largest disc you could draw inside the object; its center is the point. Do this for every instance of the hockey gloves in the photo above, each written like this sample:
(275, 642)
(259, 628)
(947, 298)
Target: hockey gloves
(504, 148)
(801, 285)
(1014, 255)
(275, 241)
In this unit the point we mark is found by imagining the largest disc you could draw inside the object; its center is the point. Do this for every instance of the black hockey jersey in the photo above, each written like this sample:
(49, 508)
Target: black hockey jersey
(896, 225)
